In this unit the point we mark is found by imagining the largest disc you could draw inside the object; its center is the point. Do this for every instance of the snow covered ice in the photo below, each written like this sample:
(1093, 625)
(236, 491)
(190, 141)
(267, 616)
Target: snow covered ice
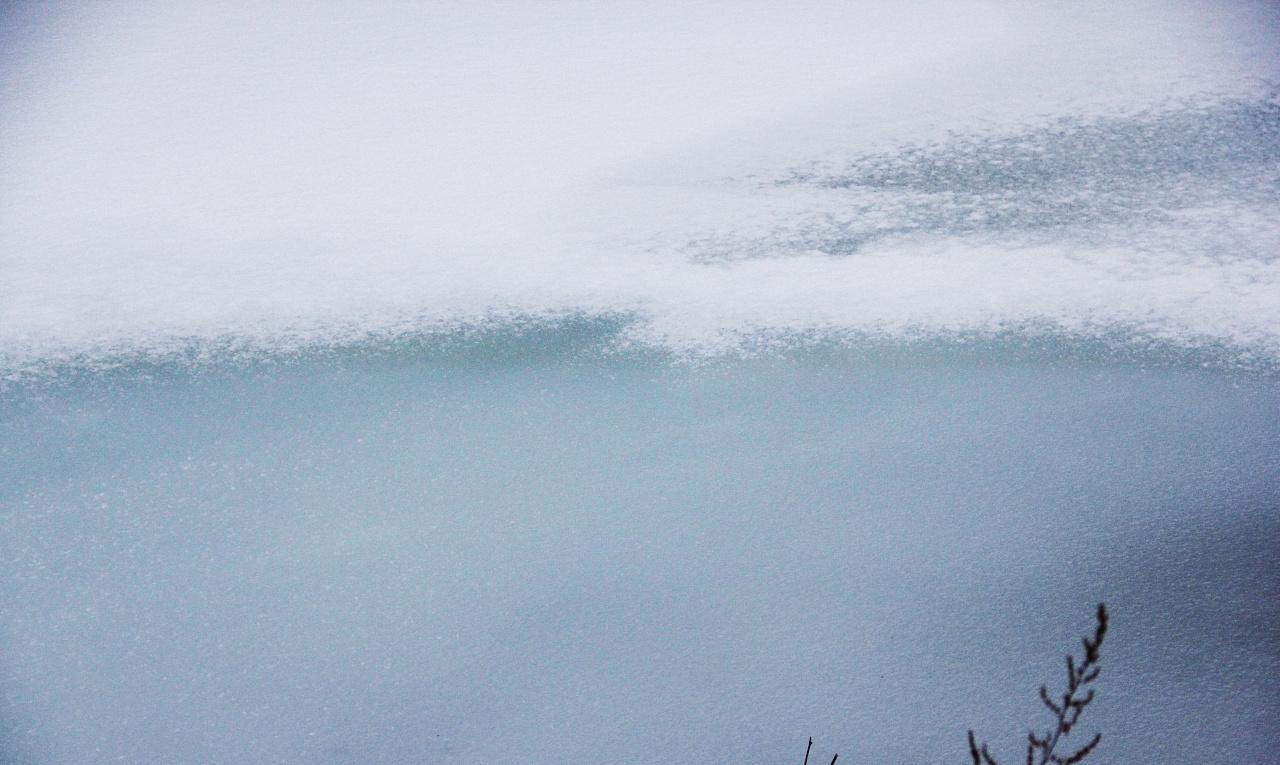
(571, 382)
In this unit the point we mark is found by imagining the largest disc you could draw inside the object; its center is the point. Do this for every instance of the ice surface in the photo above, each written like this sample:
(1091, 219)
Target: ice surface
(503, 556)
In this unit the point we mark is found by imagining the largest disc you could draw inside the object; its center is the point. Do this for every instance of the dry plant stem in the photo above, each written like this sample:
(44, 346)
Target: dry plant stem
(1066, 710)
(810, 747)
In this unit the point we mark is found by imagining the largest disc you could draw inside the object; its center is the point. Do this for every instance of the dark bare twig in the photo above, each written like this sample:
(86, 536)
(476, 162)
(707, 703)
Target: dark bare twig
(1065, 709)
(809, 747)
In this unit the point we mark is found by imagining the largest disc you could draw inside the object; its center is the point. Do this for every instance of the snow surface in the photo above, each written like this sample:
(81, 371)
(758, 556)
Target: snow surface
(181, 175)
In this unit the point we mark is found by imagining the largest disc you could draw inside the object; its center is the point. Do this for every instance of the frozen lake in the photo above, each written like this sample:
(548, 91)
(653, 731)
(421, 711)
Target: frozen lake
(563, 382)
(518, 549)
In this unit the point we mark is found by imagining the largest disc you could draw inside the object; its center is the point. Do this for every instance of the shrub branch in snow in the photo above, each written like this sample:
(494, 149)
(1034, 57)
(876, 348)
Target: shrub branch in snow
(1042, 749)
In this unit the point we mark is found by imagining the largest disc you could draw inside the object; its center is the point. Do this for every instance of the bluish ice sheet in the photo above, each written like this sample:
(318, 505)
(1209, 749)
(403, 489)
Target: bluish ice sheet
(520, 549)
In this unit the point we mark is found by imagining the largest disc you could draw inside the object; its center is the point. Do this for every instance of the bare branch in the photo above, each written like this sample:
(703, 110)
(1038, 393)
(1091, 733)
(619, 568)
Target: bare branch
(1066, 712)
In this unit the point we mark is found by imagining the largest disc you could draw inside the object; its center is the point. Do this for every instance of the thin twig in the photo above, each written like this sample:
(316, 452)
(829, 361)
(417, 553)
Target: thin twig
(1066, 710)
